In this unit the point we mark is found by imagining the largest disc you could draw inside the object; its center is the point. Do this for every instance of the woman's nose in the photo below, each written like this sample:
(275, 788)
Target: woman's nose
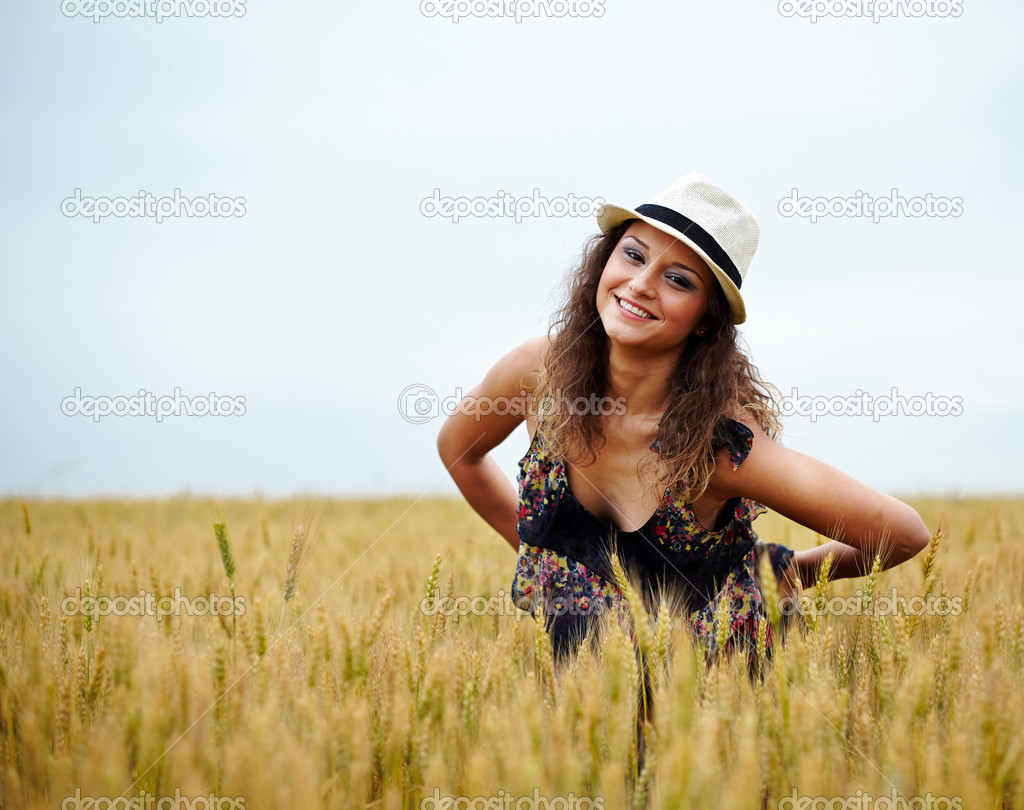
(642, 282)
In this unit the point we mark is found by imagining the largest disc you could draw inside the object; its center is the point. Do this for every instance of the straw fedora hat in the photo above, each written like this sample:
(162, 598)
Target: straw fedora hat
(710, 220)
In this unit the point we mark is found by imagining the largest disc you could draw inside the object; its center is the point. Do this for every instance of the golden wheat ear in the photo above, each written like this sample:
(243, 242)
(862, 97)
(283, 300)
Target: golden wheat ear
(291, 576)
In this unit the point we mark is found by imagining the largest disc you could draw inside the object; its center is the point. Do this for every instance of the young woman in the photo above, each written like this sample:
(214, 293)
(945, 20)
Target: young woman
(654, 438)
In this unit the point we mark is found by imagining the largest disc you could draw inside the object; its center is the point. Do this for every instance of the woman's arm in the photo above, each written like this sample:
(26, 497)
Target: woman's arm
(847, 561)
(862, 520)
(467, 437)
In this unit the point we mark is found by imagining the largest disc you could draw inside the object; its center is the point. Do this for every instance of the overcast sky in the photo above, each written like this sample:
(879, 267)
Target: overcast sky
(323, 292)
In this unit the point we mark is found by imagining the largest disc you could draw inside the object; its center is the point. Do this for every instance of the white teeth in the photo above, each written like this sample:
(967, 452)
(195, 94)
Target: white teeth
(635, 310)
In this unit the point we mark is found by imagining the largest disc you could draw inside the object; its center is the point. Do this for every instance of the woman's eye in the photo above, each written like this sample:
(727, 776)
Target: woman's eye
(681, 281)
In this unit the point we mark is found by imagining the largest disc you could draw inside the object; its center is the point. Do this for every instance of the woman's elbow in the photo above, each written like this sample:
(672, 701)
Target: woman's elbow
(453, 446)
(446, 448)
(915, 537)
(444, 444)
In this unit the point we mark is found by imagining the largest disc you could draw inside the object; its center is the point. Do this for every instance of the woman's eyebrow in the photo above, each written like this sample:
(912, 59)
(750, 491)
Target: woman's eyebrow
(674, 264)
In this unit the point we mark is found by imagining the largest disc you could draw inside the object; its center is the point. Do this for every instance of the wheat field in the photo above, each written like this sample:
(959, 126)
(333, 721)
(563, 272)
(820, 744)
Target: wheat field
(396, 674)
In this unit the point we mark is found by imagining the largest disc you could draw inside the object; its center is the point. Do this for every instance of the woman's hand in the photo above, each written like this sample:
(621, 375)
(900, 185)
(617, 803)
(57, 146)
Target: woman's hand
(862, 520)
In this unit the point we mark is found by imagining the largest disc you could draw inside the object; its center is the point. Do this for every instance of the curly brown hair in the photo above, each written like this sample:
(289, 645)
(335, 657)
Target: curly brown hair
(713, 376)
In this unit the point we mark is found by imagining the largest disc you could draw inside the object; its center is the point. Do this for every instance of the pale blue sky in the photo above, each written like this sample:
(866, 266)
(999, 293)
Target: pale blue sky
(333, 293)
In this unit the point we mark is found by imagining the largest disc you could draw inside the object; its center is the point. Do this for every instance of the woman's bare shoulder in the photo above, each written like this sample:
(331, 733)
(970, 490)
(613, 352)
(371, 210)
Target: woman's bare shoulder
(738, 413)
(516, 371)
(510, 382)
(725, 462)
(526, 360)
(536, 346)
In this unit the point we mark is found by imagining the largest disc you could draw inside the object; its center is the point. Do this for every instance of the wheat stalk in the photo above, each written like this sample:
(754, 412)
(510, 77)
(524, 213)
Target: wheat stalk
(220, 531)
(867, 594)
(770, 589)
(762, 645)
(291, 576)
(821, 587)
(636, 608)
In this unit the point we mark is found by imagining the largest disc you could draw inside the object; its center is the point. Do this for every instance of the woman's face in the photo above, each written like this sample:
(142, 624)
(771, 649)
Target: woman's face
(660, 275)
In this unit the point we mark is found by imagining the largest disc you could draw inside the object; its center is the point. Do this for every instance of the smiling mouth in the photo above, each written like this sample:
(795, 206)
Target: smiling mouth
(634, 310)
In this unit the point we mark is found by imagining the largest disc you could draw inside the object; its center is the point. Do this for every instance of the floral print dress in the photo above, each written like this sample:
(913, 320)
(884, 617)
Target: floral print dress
(564, 567)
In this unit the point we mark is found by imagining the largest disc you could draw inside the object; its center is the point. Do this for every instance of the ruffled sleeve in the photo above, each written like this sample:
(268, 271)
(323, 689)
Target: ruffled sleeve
(737, 437)
(729, 433)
